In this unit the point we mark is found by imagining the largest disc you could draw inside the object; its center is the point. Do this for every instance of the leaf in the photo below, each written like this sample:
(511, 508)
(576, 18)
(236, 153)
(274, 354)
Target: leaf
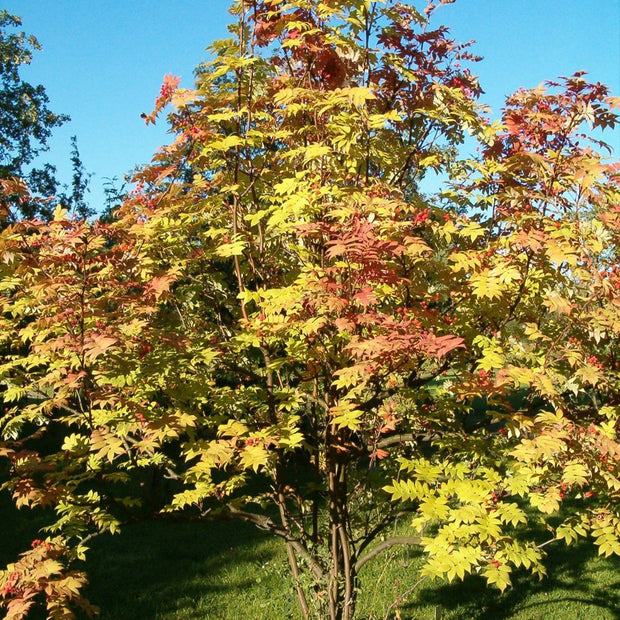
(106, 446)
(60, 214)
(254, 457)
(575, 473)
(160, 284)
(557, 303)
(366, 296)
(234, 248)
(440, 346)
(98, 345)
(498, 575)
(345, 415)
(315, 151)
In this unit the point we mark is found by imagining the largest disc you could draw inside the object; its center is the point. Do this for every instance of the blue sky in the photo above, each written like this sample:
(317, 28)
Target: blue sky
(103, 61)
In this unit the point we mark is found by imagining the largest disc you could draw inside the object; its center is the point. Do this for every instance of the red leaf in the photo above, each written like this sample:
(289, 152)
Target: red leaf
(439, 346)
(379, 454)
(366, 296)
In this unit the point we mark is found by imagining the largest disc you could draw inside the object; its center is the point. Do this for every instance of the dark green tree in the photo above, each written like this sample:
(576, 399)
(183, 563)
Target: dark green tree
(75, 199)
(26, 122)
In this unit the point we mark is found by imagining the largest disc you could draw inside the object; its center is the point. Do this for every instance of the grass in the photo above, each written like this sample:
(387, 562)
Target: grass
(231, 571)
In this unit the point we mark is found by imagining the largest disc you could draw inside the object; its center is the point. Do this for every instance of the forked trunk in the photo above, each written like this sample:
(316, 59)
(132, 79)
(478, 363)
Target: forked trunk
(342, 591)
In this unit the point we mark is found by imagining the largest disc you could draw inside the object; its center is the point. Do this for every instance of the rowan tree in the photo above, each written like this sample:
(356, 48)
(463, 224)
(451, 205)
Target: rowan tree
(285, 326)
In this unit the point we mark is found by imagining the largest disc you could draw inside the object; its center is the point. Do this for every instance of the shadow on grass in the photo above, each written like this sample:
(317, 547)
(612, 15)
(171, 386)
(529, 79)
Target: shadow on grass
(157, 570)
(579, 585)
(19, 528)
(162, 570)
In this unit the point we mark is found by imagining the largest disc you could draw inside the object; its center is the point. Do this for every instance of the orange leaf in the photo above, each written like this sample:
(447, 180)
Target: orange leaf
(160, 285)
(99, 345)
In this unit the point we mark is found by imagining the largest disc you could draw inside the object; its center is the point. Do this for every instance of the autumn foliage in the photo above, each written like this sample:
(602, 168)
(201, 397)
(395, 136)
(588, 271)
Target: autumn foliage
(283, 326)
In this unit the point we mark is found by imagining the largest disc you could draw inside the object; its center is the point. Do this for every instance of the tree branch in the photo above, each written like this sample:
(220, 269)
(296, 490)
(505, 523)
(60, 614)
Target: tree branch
(386, 544)
(266, 523)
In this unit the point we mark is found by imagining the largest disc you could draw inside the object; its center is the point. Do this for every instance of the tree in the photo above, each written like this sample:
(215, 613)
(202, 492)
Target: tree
(26, 122)
(76, 200)
(280, 326)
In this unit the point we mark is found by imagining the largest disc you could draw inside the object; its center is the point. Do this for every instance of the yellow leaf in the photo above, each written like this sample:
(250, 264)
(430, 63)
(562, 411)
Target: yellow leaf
(315, 151)
(60, 214)
(345, 415)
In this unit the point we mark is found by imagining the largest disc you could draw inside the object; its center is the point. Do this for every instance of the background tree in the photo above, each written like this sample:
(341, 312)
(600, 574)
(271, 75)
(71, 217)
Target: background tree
(115, 192)
(26, 122)
(282, 327)
(76, 201)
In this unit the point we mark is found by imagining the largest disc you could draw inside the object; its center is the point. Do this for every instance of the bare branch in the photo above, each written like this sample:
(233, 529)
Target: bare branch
(386, 544)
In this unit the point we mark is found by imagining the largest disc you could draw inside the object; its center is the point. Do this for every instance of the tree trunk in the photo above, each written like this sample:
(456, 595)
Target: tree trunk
(342, 590)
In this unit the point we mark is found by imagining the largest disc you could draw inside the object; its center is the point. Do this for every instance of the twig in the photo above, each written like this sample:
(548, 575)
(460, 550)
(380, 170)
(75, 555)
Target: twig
(401, 597)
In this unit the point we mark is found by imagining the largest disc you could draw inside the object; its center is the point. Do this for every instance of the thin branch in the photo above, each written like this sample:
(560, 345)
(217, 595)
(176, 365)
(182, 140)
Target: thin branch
(386, 544)
(387, 521)
(401, 597)
(266, 523)
(548, 542)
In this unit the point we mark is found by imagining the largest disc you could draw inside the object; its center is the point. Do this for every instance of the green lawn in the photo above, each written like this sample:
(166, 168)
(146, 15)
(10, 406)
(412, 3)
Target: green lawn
(230, 571)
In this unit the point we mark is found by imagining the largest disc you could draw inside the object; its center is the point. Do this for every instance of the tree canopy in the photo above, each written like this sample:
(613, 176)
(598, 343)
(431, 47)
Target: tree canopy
(283, 324)
(26, 122)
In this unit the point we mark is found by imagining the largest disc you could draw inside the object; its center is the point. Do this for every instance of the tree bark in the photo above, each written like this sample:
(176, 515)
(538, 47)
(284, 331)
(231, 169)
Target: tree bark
(342, 589)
